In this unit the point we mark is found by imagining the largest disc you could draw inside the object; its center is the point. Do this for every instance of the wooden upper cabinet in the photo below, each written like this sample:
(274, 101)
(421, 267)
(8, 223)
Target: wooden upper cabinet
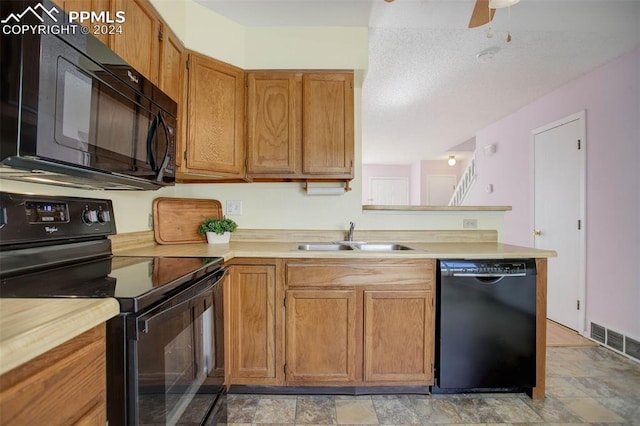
(88, 6)
(300, 125)
(172, 64)
(273, 123)
(215, 142)
(327, 132)
(139, 43)
(172, 80)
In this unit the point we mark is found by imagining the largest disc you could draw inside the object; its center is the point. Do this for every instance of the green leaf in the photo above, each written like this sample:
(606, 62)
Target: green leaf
(219, 226)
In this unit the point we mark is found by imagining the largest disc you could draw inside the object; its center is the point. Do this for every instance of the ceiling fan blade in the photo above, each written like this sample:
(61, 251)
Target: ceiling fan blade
(481, 14)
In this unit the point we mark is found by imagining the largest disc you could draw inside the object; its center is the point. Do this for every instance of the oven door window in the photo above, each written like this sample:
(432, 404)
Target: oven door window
(175, 357)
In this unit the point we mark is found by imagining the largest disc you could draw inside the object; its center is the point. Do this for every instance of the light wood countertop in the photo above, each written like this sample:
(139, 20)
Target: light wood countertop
(446, 244)
(31, 327)
(278, 249)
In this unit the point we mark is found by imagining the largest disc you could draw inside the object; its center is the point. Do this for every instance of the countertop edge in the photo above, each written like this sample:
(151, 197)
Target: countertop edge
(374, 207)
(288, 250)
(31, 327)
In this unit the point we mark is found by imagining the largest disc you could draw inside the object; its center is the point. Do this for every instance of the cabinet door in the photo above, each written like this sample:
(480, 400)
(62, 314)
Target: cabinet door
(253, 323)
(172, 64)
(273, 123)
(139, 43)
(320, 336)
(327, 133)
(64, 386)
(398, 336)
(215, 144)
(88, 6)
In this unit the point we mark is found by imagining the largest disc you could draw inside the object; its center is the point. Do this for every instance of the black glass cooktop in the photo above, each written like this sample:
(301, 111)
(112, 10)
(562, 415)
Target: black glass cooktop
(137, 282)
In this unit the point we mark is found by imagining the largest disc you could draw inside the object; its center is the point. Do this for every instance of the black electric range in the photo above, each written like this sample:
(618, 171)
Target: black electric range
(165, 357)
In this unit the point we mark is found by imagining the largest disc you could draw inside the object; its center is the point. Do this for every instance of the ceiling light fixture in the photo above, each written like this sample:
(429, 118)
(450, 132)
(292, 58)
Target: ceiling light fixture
(499, 4)
(452, 160)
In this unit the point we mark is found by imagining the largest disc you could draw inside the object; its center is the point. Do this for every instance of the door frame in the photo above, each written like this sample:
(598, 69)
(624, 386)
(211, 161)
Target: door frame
(579, 116)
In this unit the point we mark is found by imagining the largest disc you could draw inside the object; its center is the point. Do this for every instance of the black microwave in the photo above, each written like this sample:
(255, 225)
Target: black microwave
(73, 112)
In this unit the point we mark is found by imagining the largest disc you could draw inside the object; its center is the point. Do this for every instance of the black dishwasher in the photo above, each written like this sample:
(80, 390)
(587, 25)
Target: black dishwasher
(485, 325)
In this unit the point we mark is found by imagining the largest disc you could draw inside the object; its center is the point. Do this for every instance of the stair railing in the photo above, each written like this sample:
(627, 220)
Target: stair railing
(465, 183)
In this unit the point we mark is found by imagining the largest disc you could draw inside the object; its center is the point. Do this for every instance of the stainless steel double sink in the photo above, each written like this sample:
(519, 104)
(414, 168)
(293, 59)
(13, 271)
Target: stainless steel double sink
(348, 245)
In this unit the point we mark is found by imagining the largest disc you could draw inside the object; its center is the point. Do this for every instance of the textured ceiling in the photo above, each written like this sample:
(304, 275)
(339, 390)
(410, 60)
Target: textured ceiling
(425, 92)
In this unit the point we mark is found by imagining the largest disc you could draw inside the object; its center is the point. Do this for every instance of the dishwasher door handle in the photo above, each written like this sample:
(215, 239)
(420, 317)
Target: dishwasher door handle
(488, 275)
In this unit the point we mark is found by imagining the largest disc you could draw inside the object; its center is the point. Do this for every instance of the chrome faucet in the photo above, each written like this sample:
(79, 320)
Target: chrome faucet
(350, 233)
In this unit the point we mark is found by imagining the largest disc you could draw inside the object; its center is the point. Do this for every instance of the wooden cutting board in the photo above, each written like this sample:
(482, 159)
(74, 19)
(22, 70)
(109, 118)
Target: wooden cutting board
(176, 220)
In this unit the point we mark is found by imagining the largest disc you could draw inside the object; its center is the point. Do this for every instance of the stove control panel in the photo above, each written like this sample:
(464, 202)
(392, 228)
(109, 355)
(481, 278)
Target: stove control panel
(43, 212)
(33, 218)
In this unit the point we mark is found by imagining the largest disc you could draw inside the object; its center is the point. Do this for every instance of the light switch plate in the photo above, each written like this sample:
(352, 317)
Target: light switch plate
(233, 208)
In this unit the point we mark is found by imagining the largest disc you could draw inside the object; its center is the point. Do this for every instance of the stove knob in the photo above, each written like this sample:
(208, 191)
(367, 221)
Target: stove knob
(104, 216)
(89, 216)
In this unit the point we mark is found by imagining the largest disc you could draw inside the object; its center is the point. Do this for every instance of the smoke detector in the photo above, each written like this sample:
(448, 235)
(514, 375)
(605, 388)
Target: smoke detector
(487, 55)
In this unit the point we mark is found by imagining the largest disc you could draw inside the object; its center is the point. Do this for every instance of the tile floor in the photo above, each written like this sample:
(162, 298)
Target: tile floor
(584, 386)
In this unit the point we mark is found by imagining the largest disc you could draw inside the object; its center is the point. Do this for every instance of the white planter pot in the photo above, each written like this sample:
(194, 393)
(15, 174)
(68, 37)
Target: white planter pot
(213, 238)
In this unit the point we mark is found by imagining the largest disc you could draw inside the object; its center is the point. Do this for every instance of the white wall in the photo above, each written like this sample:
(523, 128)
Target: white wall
(611, 97)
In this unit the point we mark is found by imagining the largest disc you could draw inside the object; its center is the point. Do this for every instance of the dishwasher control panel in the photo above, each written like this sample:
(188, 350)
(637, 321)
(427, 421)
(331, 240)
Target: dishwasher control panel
(485, 268)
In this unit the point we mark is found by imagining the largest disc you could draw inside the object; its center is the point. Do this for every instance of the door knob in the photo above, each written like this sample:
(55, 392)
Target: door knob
(537, 232)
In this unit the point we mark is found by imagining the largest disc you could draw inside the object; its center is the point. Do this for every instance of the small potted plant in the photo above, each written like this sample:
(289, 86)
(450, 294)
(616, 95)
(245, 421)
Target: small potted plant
(218, 231)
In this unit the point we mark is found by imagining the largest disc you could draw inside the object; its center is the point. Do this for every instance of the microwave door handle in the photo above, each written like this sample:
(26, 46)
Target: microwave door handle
(165, 159)
(150, 134)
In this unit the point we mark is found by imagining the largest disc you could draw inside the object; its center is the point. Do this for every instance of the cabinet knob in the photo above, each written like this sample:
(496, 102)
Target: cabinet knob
(537, 232)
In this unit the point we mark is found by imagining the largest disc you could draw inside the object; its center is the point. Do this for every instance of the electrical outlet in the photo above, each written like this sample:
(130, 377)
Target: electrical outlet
(469, 223)
(234, 207)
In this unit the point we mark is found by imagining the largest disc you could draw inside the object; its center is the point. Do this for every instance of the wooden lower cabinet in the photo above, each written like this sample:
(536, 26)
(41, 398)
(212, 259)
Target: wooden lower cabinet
(321, 336)
(330, 322)
(398, 336)
(359, 322)
(253, 319)
(64, 386)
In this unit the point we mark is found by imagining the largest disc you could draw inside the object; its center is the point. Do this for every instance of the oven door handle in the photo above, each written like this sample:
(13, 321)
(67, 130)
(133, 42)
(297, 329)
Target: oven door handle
(185, 300)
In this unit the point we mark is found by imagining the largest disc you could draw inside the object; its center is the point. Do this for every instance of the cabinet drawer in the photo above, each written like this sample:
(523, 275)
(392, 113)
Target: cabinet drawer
(328, 272)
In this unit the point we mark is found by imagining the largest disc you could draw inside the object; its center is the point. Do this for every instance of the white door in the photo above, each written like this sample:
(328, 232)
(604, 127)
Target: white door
(559, 206)
(439, 189)
(393, 191)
